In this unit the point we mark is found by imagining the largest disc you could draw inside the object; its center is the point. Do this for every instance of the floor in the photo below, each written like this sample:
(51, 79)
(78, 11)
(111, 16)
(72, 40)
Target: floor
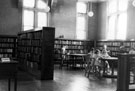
(64, 80)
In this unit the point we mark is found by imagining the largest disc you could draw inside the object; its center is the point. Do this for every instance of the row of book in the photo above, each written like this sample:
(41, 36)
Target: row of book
(29, 57)
(29, 43)
(73, 46)
(34, 50)
(115, 43)
(7, 45)
(6, 51)
(7, 40)
(6, 55)
(71, 42)
(31, 35)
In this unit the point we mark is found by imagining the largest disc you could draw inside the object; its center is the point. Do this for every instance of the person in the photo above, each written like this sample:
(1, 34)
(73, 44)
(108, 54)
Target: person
(104, 54)
(92, 57)
(122, 48)
(92, 52)
(132, 50)
(97, 57)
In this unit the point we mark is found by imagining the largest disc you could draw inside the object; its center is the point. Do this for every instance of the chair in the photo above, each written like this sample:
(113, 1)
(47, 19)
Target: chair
(89, 65)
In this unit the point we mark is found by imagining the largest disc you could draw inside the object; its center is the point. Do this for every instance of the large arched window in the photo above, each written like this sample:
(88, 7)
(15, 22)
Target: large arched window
(117, 19)
(34, 14)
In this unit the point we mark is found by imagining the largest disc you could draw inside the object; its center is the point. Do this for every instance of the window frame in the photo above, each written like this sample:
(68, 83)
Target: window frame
(83, 31)
(36, 10)
(117, 14)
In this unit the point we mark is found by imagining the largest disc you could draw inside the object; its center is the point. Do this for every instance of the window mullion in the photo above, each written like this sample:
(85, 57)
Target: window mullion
(35, 15)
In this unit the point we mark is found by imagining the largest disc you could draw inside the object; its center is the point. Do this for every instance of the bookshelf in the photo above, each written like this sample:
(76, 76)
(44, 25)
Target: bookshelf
(126, 72)
(35, 52)
(8, 46)
(72, 46)
(114, 46)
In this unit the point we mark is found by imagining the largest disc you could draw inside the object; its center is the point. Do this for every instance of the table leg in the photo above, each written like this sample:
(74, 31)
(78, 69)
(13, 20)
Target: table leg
(103, 67)
(8, 84)
(15, 84)
(112, 69)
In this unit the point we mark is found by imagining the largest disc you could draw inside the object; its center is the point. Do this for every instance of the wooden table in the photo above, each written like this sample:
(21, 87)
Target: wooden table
(8, 70)
(75, 57)
(111, 60)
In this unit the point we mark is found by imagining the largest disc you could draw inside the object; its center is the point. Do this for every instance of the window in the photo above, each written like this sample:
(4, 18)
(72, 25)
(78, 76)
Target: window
(81, 20)
(117, 19)
(34, 14)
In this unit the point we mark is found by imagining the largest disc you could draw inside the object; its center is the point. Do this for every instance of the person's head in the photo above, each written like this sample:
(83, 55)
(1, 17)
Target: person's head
(97, 51)
(105, 47)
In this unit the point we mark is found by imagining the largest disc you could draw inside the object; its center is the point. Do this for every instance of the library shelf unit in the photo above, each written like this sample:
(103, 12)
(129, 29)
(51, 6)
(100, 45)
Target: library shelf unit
(35, 52)
(114, 46)
(72, 46)
(126, 72)
(8, 46)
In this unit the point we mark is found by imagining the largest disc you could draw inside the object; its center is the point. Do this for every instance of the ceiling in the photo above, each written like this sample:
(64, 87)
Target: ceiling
(92, 0)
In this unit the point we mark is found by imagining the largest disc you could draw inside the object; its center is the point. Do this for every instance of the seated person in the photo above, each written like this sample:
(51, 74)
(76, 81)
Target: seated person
(104, 54)
(92, 53)
(97, 57)
(92, 56)
(132, 50)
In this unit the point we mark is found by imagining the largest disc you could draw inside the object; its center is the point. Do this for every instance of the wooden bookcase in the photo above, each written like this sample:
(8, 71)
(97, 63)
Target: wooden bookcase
(126, 72)
(114, 46)
(72, 46)
(8, 46)
(35, 52)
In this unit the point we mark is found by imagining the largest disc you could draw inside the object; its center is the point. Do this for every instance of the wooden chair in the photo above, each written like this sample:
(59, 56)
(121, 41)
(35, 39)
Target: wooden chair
(89, 65)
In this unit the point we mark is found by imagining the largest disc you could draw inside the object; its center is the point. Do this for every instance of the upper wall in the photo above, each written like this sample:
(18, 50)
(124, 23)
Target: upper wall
(63, 18)
(102, 21)
(10, 17)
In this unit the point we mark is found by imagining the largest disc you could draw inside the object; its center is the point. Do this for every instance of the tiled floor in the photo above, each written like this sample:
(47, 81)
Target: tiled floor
(64, 80)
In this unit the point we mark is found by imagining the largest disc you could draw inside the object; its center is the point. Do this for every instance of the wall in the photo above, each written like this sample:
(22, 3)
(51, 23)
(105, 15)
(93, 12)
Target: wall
(93, 23)
(10, 17)
(102, 19)
(131, 21)
(63, 18)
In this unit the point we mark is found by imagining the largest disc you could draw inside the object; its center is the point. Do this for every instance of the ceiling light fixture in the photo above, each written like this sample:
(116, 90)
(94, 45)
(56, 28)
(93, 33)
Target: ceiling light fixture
(133, 3)
(90, 13)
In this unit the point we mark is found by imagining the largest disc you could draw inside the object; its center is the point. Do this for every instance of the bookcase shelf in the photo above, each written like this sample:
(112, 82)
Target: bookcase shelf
(126, 74)
(8, 46)
(35, 52)
(72, 46)
(114, 46)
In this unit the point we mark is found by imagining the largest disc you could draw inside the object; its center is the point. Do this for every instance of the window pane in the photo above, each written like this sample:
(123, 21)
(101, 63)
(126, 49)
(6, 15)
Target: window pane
(41, 4)
(29, 3)
(81, 23)
(111, 32)
(28, 18)
(42, 19)
(28, 28)
(123, 5)
(112, 6)
(81, 7)
(81, 34)
(122, 26)
(81, 27)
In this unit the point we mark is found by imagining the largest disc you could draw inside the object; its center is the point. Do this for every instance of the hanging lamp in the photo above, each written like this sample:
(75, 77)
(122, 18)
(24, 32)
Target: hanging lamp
(90, 13)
